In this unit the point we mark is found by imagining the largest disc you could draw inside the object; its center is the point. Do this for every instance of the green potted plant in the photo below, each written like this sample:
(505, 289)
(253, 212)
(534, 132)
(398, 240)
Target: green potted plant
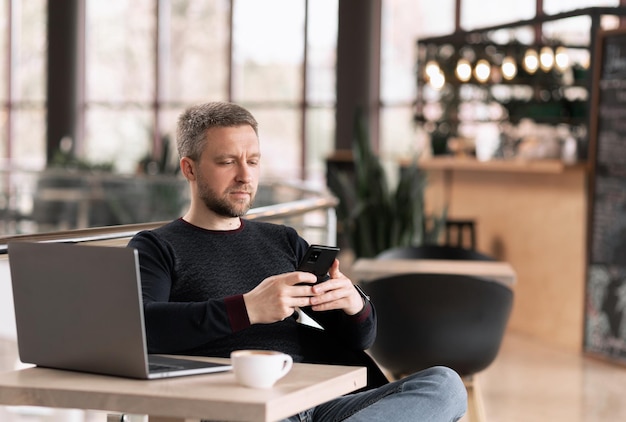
(372, 216)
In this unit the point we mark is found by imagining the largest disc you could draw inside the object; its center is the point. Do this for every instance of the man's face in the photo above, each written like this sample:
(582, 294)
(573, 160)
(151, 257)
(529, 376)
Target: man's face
(228, 170)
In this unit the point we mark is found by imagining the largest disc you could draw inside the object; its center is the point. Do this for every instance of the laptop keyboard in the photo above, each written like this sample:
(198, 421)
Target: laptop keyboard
(159, 367)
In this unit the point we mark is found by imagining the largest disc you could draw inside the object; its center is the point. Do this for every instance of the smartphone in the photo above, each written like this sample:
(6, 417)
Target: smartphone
(317, 260)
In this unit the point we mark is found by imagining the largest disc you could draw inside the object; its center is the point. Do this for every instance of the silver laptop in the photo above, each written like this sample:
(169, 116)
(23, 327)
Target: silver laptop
(79, 308)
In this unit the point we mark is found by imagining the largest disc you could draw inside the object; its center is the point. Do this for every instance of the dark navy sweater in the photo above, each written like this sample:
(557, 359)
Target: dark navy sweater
(193, 281)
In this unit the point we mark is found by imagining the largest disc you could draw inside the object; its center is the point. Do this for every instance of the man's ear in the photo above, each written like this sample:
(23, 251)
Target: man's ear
(187, 166)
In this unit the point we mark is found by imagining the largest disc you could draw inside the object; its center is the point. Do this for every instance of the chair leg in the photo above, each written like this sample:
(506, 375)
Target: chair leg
(475, 405)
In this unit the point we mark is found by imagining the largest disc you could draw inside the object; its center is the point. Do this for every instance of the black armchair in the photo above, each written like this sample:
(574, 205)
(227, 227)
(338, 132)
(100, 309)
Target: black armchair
(440, 319)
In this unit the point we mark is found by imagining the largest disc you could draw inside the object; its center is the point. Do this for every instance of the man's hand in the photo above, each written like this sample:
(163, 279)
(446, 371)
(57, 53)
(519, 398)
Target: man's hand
(277, 297)
(336, 293)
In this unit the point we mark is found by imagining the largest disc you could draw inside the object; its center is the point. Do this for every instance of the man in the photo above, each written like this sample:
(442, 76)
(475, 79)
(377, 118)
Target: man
(214, 282)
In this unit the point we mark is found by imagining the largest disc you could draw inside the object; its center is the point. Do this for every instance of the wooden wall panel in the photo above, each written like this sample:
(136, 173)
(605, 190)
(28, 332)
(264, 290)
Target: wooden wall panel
(536, 222)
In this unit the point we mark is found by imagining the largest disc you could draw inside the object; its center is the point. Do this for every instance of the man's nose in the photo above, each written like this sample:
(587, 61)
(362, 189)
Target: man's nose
(245, 173)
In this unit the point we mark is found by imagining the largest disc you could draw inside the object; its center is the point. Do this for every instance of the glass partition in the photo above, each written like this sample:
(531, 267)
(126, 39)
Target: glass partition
(79, 203)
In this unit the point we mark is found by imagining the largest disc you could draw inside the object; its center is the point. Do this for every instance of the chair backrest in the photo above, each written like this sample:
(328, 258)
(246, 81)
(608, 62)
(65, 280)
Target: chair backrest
(438, 319)
(433, 252)
(461, 228)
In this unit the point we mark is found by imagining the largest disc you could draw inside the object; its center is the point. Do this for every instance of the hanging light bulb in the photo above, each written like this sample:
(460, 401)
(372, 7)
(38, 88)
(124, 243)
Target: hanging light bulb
(482, 70)
(531, 61)
(432, 69)
(546, 58)
(434, 75)
(561, 59)
(463, 70)
(438, 80)
(509, 68)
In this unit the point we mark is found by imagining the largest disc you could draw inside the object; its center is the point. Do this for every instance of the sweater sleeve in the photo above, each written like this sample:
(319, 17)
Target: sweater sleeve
(176, 326)
(356, 332)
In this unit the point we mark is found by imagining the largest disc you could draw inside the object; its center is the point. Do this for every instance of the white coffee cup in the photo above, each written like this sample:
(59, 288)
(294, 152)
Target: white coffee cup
(260, 368)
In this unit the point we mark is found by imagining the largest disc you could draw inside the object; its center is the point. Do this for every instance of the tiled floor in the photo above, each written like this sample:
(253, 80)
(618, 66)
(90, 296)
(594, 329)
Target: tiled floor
(528, 382)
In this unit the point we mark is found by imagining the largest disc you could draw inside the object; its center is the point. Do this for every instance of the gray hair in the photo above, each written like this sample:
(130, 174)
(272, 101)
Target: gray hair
(194, 122)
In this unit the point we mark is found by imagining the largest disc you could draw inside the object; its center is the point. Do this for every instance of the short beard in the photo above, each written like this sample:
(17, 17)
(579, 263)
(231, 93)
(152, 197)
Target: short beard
(220, 205)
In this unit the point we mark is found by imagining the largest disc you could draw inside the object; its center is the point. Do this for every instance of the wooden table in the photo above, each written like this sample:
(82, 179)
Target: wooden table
(184, 399)
(364, 270)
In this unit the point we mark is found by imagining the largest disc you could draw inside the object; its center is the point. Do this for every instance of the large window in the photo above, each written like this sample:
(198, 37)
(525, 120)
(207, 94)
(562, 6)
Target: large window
(483, 13)
(146, 60)
(403, 22)
(552, 7)
(119, 82)
(319, 123)
(171, 54)
(22, 82)
(268, 51)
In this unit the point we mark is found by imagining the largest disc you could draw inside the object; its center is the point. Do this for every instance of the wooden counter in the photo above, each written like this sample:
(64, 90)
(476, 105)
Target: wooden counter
(504, 166)
(533, 215)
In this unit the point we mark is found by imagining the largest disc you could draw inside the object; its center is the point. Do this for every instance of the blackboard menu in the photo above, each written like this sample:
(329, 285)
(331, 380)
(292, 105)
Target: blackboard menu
(605, 312)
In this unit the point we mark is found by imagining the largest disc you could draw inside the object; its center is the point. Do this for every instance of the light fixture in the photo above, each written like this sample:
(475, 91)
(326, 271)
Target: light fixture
(434, 75)
(509, 68)
(463, 70)
(561, 59)
(432, 69)
(546, 58)
(438, 80)
(531, 61)
(482, 70)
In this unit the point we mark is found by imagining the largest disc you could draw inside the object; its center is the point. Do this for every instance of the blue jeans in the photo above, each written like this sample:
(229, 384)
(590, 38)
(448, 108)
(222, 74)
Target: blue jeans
(434, 394)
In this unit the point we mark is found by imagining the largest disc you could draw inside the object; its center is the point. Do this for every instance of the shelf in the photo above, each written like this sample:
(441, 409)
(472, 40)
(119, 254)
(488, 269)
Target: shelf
(547, 98)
